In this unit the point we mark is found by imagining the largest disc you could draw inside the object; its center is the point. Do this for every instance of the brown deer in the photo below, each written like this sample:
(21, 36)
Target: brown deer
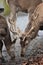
(36, 24)
(21, 5)
(5, 37)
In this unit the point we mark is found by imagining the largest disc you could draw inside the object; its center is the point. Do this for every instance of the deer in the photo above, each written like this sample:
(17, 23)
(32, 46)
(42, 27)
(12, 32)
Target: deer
(5, 38)
(27, 6)
(31, 31)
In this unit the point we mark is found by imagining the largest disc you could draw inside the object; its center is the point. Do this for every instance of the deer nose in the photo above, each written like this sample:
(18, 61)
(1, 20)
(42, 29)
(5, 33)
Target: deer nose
(1, 10)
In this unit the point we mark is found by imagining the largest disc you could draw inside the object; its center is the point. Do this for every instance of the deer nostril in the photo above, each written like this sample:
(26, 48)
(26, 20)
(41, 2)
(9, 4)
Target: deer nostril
(1, 10)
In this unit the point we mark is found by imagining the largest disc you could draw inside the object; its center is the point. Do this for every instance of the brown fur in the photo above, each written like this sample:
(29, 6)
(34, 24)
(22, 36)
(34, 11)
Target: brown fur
(36, 20)
(4, 36)
(22, 5)
(36, 24)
